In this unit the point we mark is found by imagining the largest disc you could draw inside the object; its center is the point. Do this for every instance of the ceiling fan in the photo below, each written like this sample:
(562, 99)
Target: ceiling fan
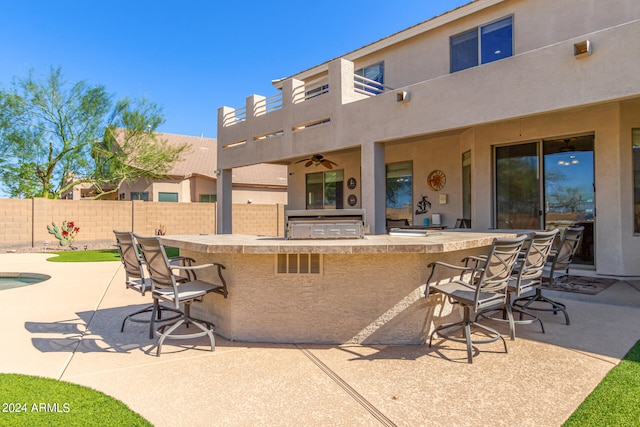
(318, 159)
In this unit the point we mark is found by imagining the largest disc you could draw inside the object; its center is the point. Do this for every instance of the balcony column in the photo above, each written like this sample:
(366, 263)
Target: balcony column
(225, 116)
(224, 200)
(341, 85)
(373, 187)
(292, 93)
(254, 108)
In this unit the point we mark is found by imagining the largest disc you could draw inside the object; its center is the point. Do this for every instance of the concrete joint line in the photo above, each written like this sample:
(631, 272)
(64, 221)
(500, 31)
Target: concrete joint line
(87, 329)
(350, 390)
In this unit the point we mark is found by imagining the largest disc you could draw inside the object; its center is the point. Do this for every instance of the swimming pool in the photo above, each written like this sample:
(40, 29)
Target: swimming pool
(17, 280)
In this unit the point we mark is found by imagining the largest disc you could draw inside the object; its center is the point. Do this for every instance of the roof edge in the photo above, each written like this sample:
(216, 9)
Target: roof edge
(428, 25)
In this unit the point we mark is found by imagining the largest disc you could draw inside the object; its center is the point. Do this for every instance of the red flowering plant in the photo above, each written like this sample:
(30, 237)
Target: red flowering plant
(65, 233)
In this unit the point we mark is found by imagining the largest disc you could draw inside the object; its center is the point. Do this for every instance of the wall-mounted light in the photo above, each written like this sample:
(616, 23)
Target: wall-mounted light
(582, 49)
(402, 96)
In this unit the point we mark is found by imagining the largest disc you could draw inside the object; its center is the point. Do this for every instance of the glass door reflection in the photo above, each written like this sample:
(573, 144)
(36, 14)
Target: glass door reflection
(569, 189)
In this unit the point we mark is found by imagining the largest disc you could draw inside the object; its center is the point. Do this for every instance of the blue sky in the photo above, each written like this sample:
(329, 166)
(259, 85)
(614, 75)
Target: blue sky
(192, 57)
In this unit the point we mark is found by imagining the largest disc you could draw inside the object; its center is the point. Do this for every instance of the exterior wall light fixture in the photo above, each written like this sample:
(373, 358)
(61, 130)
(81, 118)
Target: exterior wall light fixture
(582, 49)
(402, 96)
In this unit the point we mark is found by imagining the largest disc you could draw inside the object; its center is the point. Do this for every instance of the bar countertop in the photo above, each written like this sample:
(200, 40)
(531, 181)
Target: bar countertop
(433, 242)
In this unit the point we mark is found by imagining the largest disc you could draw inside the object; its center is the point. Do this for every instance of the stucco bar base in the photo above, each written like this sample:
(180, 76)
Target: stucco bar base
(370, 291)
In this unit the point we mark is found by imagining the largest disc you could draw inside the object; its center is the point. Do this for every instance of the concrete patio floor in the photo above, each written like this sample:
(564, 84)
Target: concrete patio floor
(68, 328)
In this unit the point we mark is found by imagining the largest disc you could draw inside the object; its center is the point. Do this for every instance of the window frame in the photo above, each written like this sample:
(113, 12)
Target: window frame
(479, 60)
(213, 198)
(370, 87)
(339, 192)
(140, 195)
(393, 171)
(162, 194)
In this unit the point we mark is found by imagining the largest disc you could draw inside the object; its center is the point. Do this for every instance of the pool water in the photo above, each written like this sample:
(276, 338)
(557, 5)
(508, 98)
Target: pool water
(18, 280)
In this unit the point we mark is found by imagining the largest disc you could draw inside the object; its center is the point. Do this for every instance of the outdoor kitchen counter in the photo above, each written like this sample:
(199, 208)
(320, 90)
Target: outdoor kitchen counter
(368, 291)
(435, 242)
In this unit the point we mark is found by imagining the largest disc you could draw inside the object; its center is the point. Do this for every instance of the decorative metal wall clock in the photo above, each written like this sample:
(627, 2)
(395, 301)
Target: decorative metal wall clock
(436, 180)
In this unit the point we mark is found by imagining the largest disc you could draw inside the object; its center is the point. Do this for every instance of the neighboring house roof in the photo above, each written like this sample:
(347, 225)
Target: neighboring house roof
(201, 159)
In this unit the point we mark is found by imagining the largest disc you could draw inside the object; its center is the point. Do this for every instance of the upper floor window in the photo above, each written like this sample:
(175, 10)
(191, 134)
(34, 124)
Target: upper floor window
(316, 91)
(482, 45)
(373, 81)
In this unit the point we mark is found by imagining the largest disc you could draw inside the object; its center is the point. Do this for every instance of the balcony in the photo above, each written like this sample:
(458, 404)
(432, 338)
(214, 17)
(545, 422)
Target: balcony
(323, 115)
(299, 107)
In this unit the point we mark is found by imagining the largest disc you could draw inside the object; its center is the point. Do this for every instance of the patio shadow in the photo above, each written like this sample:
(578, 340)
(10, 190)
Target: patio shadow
(92, 331)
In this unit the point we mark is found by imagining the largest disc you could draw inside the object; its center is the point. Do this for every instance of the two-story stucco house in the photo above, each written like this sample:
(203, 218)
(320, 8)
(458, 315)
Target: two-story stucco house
(520, 114)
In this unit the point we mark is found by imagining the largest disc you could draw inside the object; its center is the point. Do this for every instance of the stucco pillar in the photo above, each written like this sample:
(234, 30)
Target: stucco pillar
(341, 85)
(255, 107)
(224, 200)
(223, 116)
(373, 187)
(292, 92)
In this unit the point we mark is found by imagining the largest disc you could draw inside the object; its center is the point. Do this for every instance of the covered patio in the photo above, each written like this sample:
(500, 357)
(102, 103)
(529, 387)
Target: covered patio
(68, 328)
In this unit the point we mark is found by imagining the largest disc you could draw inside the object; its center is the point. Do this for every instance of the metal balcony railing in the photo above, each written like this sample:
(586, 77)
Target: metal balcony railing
(268, 105)
(235, 116)
(312, 89)
(367, 86)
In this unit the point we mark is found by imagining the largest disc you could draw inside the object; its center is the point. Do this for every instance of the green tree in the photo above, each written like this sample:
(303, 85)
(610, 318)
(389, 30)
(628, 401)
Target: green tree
(53, 136)
(130, 150)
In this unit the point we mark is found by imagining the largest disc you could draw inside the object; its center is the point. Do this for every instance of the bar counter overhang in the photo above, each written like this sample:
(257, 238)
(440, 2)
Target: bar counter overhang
(368, 291)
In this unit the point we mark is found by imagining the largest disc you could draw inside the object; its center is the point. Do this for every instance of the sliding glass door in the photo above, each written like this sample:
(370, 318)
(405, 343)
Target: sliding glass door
(555, 174)
(569, 189)
(518, 191)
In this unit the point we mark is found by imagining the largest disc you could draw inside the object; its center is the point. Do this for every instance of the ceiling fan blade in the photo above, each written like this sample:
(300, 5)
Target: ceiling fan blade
(300, 161)
(309, 163)
(327, 164)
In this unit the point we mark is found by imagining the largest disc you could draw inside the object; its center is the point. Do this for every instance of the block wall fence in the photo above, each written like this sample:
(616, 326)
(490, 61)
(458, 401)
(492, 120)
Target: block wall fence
(23, 222)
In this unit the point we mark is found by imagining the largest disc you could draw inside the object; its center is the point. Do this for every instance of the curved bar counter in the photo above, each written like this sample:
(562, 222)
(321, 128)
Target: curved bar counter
(367, 291)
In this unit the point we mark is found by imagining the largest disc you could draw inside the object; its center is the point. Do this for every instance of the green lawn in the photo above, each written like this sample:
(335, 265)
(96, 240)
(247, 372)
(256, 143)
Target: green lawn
(616, 400)
(35, 401)
(96, 255)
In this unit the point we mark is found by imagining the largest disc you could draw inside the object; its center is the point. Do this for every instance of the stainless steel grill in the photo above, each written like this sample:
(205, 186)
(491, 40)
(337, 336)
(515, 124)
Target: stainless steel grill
(324, 224)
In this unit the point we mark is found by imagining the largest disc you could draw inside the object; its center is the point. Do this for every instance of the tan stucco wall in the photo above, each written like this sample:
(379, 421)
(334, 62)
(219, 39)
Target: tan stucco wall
(542, 91)
(202, 186)
(613, 221)
(349, 302)
(262, 197)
